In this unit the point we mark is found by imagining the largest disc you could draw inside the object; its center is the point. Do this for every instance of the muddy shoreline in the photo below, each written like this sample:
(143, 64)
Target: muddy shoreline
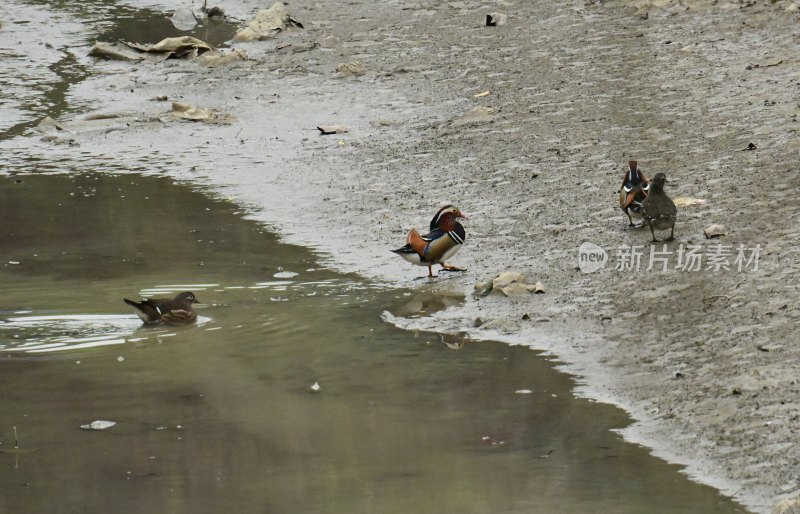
(705, 361)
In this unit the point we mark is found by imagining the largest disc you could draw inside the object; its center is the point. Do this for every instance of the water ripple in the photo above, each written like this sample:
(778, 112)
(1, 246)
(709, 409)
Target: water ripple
(57, 333)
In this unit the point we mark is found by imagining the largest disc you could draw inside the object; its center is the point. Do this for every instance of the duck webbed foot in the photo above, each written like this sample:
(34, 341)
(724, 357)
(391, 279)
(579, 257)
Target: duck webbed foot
(448, 267)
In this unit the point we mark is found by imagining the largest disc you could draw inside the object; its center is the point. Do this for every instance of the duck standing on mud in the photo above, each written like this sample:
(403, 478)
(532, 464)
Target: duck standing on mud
(442, 242)
(169, 311)
(633, 191)
(658, 209)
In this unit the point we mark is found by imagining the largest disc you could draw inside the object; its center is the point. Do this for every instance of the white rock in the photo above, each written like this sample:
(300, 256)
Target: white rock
(507, 278)
(516, 289)
(505, 326)
(537, 288)
(787, 506)
(715, 230)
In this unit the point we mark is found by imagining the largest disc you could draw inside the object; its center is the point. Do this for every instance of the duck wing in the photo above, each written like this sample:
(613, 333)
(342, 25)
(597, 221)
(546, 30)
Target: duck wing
(444, 244)
(179, 316)
(415, 243)
(166, 310)
(145, 310)
(433, 235)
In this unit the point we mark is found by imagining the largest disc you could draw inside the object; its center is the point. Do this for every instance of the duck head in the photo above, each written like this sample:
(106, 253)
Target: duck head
(634, 176)
(658, 182)
(446, 218)
(186, 297)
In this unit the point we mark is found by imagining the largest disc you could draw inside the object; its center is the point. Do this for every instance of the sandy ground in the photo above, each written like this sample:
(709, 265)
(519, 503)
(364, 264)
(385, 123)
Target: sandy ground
(706, 361)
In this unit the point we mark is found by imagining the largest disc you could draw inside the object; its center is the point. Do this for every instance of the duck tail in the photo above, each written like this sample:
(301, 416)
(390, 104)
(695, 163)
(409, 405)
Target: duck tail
(416, 242)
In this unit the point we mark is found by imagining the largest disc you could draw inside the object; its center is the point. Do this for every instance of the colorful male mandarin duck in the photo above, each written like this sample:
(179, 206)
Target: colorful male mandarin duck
(442, 242)
(634, 190)
(658, 209)
(169, 311)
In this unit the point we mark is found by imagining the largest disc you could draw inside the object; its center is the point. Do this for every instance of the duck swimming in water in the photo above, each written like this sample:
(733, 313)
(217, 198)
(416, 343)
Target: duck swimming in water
(169, 311)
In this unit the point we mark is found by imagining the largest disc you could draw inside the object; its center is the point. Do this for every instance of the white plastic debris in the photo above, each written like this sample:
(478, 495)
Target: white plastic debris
(523, 391)
(184, 19)
(267, 23)
(99, 425)
(285, 274)
(316, 387)
(120, 359)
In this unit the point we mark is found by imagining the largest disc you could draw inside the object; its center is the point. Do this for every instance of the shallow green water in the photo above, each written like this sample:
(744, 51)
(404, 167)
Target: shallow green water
(220, 417)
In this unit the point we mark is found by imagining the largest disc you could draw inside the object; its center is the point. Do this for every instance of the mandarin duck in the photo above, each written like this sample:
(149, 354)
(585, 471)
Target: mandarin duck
(658, 209)
(442, 242)
(169, 311)
(633, 191)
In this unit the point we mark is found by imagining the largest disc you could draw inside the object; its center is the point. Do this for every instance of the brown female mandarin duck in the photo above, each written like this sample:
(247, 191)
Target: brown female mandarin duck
(169, 311)
(633, 191)
(658, 209)
(442, 242)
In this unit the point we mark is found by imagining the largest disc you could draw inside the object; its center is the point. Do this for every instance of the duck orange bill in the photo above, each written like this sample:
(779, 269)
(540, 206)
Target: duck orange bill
(462, 214)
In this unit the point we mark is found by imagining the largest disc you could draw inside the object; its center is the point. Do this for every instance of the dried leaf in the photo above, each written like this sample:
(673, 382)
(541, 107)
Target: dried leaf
(114, 51)
(685, 201)
(177, 45)
(188, 112)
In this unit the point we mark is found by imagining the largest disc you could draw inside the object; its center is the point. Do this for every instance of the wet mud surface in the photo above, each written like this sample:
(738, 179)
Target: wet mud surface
(40, 65)
(704, 360)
